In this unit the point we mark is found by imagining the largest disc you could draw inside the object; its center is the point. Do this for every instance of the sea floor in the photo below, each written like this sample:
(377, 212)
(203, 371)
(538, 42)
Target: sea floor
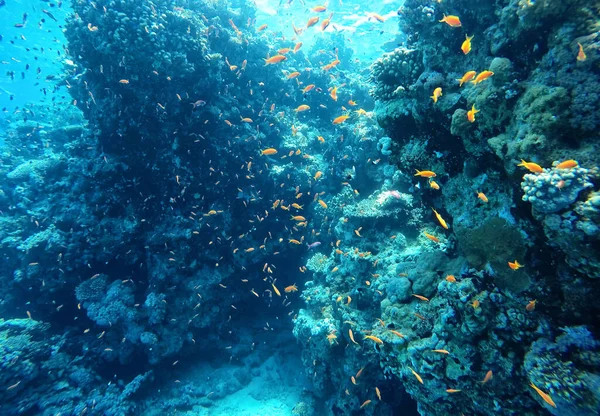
(268, 381)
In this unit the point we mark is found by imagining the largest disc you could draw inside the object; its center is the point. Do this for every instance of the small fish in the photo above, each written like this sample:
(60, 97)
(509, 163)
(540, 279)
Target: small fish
(308, 88)
(333, 94)
(482, 77)
(423, 298)
(294, 241)
(262, 27)
(322, 203)
(434, 185)
(418, 377)
(312, 21)
(581, 56)
(531, 306)
(374, 339)
(545, 396)
(298, 218)
(440, 219)
(567, 164)
(482, 196)
(378, 393)
(441, 351)
(425, 173)
(488, 377)
(468, 76)
(475, 304)
(124, 81)
(313, 245)
(275, 59)
(302, 108)
(398, 334)
(351, 335)
(471, 114)
(325, 22)
(514, 265)
(277, 292)
(432, 237)
(319, 9)
(450, 278)
(532, 167)
(466, 45)
(377, 17)
(452, 391)
(290, 289)
(268, 152)
(318, 175)
(297, 47)
(452, 21)
(340, 119)
(437, 93)
(365, 403)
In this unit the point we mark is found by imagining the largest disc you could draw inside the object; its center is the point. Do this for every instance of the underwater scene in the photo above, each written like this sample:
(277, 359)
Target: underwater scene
(299, 207)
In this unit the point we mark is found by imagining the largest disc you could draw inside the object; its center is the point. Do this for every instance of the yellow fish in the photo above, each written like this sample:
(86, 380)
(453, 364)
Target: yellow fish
(466, 45)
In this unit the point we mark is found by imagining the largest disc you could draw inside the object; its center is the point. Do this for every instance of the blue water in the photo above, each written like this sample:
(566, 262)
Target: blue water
(266, 208)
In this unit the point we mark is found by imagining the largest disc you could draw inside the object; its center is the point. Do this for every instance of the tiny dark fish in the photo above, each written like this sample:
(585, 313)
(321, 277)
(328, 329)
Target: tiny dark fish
(50, 15)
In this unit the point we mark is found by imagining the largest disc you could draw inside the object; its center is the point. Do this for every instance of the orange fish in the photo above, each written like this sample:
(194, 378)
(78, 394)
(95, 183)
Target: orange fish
(365, 403)
(466, 45)
(475, 304)
(319, 9)
(308, 88)
(441, 351)
(340, 119)
(482, 77)
(468, 76)
(471, 114)
(351, 335)
(312, 21)
(425, 173)
(377, 17)
(452, 391)
(374, 339)
(275, 59)
(532, 167)
(450, 278)
(482, 196)
(567, 164)
(301, 108)
(581, 56)
(297, 47)
(452, 21)
(423, 298)
(262, 27)
(434, 185)
(398, 334)
(293, 75)
(432, 237)
(515, 265)
(322, 203)
(545, 396)
(283, 51)
(268, 152)
(333, 94)
(437, 93)
(290, 289)
(378, 393)
(531, 306)
(325, 22)
(298, 218)
(440, 219)
(318, 175)
(488, 377)
(418, 377)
